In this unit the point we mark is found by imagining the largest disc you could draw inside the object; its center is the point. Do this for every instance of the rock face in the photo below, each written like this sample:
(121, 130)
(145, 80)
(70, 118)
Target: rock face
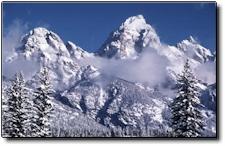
(82, 89)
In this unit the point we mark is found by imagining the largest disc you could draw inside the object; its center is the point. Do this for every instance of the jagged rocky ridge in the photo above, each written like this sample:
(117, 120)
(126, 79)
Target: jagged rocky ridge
(109, 101)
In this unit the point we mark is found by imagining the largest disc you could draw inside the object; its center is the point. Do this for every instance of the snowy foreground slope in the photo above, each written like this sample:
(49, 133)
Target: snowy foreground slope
(128, 83)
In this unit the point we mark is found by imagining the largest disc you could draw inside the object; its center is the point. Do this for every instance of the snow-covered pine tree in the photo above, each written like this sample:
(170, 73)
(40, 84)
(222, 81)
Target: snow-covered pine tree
(186, 117)
(27, 107)
(4, 110)
(16, 117)
(43, 105)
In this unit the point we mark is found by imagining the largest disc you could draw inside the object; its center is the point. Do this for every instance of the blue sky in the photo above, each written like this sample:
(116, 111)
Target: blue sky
(88, 25)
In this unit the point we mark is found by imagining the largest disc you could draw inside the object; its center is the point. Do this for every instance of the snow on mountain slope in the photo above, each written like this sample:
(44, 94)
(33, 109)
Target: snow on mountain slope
(129, 40)
(45, 43)
(194, 50)
(69, 122)
(76, 52)
(119, 103)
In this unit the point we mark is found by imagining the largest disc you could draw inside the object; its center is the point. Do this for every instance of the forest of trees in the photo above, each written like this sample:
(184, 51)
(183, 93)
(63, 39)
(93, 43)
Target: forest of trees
(24, 116)
(28, 112)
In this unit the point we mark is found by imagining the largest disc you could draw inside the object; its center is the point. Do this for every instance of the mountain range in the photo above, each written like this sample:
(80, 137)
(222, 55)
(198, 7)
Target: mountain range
(129, 81)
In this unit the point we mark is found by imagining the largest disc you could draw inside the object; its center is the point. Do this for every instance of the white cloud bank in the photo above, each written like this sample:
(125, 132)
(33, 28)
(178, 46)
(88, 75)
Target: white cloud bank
(12, 37)
(206, 72)
(11, 40)
(148, 68)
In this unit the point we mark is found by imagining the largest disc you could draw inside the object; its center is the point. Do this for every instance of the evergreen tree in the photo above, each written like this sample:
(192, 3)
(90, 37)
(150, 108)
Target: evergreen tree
(43, 106)
(27, 108)
(186, 117)
(16, 105)
(4, 111)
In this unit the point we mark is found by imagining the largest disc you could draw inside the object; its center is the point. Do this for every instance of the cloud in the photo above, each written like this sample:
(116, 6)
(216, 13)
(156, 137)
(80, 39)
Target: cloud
(12, 37)
(206, 72)
(27, 67)
(148, 68)
(11, 40)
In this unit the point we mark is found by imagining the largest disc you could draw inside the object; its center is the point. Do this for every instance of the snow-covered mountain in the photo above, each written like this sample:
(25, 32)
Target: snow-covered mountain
(110, 101)
(136, 36)
(130, 39)
(45, 48)
(194, 50)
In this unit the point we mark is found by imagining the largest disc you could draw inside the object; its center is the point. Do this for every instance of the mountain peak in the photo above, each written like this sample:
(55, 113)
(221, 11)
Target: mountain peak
(191, 39)
(133, 22)
(194, 50)
(130, 39)
(42, 42)
(39, 31)
(43, 47)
